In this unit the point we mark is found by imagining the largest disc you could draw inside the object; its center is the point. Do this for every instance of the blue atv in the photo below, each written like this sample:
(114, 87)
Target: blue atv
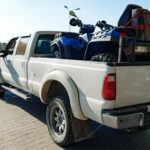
(68, 45)
(111, 44)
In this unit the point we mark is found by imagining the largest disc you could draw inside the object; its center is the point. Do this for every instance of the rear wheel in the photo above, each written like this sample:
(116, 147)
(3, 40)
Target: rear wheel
(104, 57)
(58, 117)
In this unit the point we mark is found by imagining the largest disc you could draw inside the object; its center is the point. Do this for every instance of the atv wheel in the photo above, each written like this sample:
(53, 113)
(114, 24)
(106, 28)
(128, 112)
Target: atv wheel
(58, 117)
(104, 57)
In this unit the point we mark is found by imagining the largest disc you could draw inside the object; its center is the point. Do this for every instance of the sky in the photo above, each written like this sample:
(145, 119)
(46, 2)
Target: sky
(23, 17)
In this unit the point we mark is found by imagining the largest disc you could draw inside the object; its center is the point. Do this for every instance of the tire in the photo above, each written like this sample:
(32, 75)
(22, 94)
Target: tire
(58, 117)
(104, 57)
(2, 94)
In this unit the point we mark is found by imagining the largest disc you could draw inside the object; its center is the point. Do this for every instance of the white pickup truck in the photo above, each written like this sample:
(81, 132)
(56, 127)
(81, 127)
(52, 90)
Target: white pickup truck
(116, 95)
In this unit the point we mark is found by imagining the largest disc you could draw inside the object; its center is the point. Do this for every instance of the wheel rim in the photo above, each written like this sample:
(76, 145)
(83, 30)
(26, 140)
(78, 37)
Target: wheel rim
(58, 120)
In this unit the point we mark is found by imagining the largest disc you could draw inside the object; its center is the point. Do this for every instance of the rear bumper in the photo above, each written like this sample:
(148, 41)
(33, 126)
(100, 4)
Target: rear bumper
(125, 121)
(122, 118)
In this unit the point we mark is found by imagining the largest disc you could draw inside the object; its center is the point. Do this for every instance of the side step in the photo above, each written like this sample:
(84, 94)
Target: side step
(17, 92)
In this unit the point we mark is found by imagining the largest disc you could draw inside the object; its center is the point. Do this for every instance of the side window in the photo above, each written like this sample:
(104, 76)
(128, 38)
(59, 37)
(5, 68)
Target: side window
(43, 46)
(21, 49)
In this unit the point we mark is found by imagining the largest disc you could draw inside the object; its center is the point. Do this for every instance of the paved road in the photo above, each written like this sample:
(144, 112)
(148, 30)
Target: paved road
(22, 126)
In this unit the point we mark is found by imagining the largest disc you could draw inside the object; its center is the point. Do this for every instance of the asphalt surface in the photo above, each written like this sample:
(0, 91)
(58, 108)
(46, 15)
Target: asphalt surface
(23, 126)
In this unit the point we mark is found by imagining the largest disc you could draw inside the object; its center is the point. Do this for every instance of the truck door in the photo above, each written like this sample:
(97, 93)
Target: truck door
(20, 62)
(7, 70)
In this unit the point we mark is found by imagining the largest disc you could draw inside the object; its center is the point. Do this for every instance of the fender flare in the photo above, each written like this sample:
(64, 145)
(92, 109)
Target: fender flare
(66, 81)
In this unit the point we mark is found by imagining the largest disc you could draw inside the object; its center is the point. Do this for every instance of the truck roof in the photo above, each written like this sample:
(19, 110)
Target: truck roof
(52, 32)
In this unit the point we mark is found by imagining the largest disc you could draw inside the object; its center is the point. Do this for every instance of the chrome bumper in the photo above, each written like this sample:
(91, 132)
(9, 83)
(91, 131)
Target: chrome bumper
(123, 121)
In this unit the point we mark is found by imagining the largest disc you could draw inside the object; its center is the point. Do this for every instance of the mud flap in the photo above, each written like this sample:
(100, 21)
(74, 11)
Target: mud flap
(81, 129)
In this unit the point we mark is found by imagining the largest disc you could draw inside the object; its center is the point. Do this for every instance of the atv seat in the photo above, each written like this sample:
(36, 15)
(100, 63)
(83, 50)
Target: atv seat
(127, 14)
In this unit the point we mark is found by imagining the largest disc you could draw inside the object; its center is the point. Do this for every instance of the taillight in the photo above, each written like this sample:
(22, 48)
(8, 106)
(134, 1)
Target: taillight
(109, 87)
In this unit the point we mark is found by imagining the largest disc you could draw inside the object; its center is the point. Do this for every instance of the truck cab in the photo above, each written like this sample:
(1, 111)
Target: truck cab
(18, 52)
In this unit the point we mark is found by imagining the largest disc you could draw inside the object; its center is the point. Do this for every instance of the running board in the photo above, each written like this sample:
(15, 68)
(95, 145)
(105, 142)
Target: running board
(16, 92)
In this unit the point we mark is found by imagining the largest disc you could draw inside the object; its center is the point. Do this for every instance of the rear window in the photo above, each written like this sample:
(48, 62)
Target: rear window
(43, 45)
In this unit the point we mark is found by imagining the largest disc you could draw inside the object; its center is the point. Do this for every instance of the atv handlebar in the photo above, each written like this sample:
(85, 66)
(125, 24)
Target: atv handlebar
(104, 26)
(86, 28)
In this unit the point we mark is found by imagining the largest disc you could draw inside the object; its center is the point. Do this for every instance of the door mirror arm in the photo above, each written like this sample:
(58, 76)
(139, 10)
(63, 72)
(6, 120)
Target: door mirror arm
(3, 53)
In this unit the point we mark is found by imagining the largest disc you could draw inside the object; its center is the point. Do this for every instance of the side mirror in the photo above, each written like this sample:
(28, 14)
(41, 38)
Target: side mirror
(2, 53)
(101, 24)
(72, 13)
(75, 22)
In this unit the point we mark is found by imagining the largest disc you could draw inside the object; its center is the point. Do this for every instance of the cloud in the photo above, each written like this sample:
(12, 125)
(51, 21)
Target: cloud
(6, 2)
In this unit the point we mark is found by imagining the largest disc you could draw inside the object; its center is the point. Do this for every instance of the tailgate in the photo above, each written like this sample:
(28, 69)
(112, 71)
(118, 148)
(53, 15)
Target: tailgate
(133, 85)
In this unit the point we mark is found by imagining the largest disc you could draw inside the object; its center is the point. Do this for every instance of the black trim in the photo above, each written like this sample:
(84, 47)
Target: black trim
(125, 64)
(26, 36)
(126, 110)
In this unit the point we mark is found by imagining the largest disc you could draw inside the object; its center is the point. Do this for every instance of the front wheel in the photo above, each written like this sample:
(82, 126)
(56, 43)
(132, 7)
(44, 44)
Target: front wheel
(58, 117)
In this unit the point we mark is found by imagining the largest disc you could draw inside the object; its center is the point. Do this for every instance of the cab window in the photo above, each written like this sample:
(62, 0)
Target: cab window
(43, 46)
(22, 45)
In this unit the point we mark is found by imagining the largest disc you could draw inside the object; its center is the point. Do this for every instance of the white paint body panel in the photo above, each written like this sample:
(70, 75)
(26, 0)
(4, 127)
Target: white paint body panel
(88, 78)
(133, 85)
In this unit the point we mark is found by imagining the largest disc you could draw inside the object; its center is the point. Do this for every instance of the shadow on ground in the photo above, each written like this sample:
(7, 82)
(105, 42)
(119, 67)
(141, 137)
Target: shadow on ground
(33, 107)
(104, 139)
